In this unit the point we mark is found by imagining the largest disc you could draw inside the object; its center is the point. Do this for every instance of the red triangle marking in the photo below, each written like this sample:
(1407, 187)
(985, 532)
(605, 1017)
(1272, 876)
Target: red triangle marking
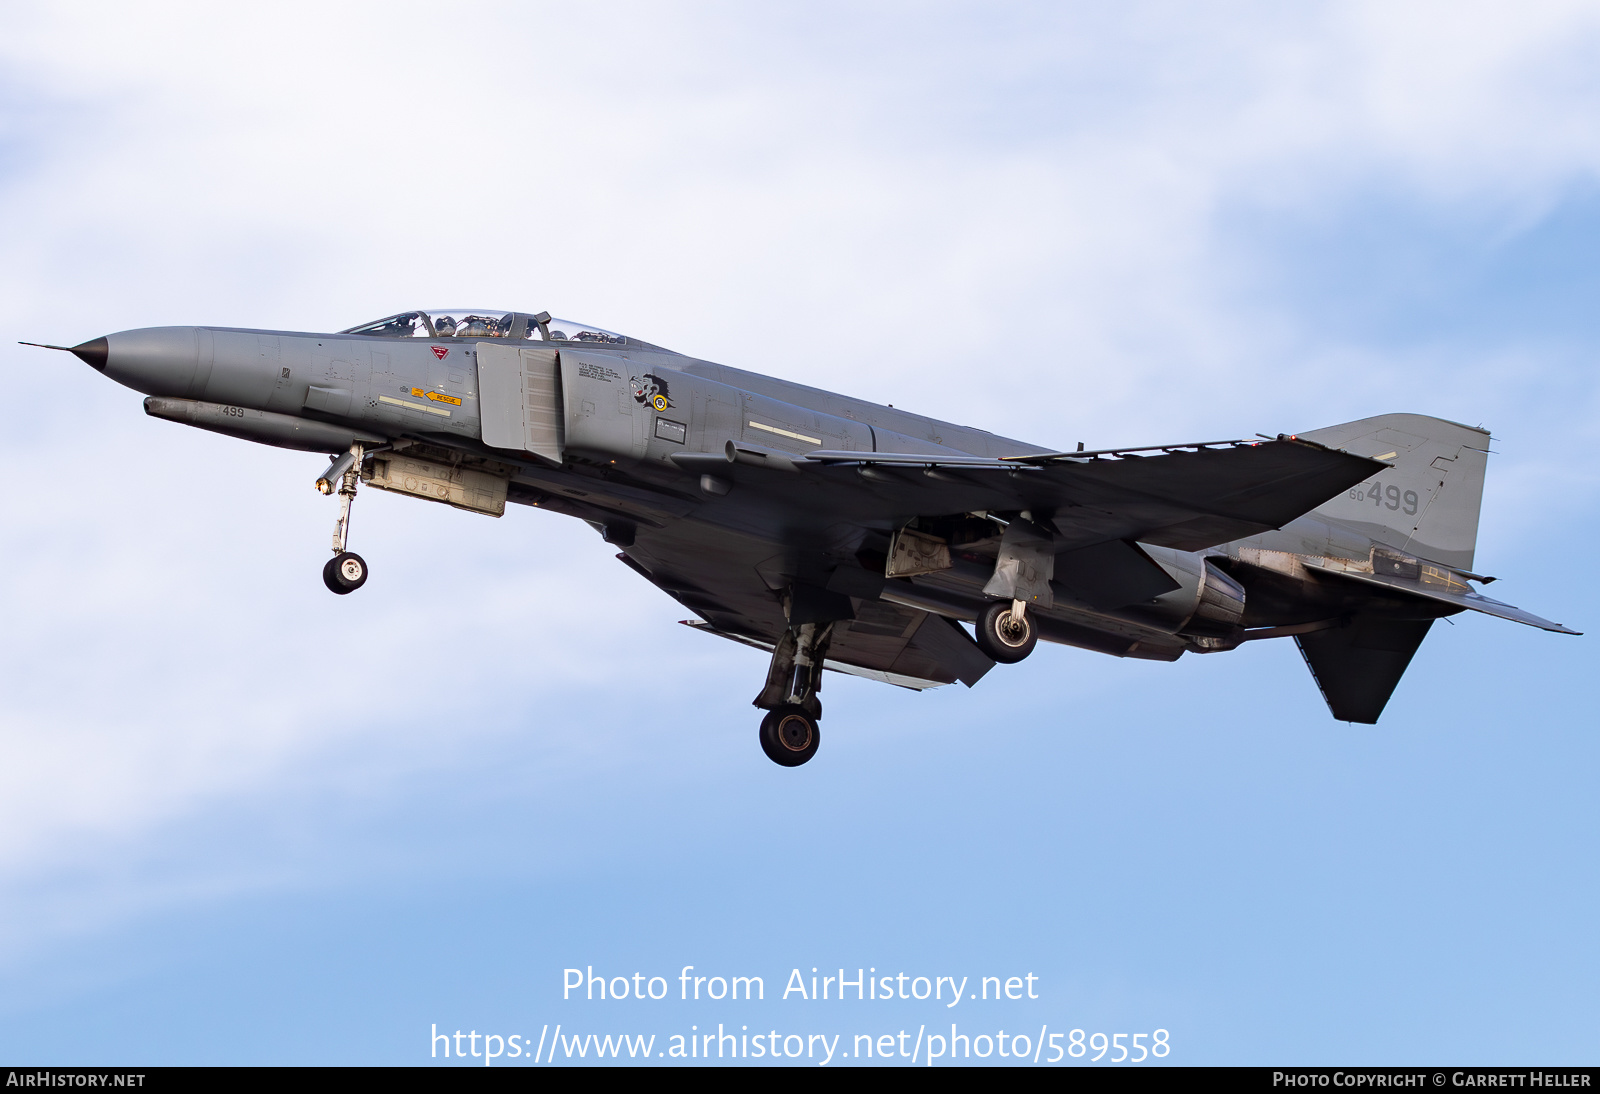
(441, 352)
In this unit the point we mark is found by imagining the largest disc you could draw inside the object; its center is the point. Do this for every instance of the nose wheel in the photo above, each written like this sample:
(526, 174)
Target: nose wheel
(346, 571)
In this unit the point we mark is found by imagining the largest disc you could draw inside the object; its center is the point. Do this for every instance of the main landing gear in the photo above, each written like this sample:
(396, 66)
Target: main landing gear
(789, 736)
(1005, 632)
(789, 732)
(346, 571)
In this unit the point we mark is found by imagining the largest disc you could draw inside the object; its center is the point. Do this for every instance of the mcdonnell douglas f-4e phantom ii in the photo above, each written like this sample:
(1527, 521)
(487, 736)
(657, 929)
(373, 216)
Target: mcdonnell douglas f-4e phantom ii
(840, 534)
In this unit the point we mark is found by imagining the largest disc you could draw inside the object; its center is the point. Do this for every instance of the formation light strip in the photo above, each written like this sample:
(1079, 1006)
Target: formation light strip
(786, 433)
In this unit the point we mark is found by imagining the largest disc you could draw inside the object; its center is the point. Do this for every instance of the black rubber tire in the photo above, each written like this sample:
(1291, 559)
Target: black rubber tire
(789, 736)
(345, 573)
(999, 639)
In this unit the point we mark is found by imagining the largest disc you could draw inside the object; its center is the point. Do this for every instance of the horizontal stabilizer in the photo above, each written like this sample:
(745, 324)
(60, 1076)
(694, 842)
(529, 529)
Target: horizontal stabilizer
(1358, 666)
(1461, 598)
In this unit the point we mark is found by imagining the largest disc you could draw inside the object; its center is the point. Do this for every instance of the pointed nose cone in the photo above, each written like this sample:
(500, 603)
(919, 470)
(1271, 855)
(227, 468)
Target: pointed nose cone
(164, 361)
(94, 353)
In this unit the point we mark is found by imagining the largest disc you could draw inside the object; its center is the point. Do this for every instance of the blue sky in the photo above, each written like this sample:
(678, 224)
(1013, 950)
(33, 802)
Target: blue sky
(244, 821)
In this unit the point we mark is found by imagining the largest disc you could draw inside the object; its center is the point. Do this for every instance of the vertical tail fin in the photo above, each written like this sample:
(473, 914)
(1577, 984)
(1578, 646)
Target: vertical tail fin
(1427, 503)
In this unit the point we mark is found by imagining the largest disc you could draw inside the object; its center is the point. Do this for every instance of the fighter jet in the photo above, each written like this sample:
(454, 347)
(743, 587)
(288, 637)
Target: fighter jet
(840, 534)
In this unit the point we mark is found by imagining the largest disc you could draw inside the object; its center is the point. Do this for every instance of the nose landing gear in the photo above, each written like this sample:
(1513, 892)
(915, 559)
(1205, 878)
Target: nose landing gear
(346, 571)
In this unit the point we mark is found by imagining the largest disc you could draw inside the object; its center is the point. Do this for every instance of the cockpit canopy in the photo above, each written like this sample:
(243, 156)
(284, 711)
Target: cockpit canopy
(484, 323)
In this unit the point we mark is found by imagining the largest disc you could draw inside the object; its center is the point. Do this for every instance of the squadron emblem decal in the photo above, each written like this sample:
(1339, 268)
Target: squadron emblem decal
(651, 390)
(441, 352)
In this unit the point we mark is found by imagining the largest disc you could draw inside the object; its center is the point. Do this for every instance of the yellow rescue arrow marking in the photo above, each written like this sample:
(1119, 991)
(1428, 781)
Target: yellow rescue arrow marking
(436, 396)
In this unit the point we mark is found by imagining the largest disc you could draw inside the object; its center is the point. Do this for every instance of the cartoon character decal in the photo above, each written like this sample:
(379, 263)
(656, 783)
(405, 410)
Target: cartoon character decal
(650, 390)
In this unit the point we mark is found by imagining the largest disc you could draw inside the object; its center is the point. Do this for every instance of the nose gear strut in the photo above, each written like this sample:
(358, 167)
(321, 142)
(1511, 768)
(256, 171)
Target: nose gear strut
(346, 571)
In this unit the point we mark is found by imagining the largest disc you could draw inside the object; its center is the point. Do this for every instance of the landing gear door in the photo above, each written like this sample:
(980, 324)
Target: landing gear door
(519, 392)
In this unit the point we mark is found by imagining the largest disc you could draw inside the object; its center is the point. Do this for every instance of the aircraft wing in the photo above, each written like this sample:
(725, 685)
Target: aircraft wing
(919, 667)
(1184, 496)
(723, 584)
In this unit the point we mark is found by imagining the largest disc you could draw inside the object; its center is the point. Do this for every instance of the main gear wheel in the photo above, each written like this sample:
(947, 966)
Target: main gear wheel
(1006, 633)
(789, 736)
